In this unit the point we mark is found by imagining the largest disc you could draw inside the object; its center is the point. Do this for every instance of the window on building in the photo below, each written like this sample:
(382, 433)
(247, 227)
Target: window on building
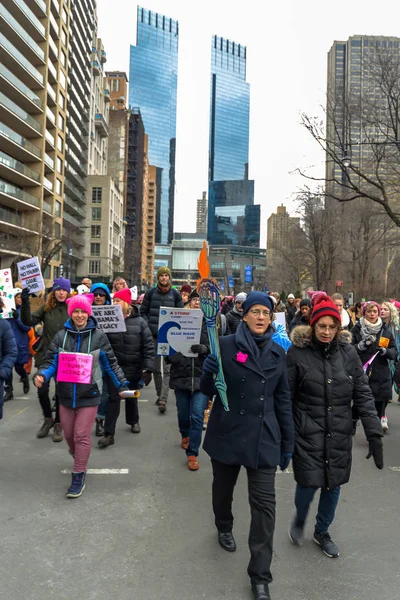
(59, 165)
(57, 230)
(95, 231)
(64, 16)
(58, 209)
(115, 85)
(60, 122)
(58, 187)
(96, 214)
(95, 249)
(56, 272)
(60, 143)
(63, 58)
(94, 267)
(96, 195)
(61, 100)
(63, 36)
(62, 79)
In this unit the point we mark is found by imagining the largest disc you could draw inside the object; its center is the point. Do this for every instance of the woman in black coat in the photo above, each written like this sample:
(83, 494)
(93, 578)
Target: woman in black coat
(185, 375)
(326, 376)
(256, 433)
(134, 351)
(372, 336)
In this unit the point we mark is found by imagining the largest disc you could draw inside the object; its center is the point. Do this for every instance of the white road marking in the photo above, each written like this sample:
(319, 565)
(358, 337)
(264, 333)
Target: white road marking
(395, 469)
(139, 399)
(100, 471)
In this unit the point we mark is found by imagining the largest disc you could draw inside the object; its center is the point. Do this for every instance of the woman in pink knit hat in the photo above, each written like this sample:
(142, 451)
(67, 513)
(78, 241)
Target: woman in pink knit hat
(77, 357)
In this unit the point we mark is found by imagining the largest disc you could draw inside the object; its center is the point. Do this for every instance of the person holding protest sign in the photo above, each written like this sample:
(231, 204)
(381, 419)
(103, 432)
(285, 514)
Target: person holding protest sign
(77, 358)
(375, 345)
(134, 350)
(20, 332)
(53, 314)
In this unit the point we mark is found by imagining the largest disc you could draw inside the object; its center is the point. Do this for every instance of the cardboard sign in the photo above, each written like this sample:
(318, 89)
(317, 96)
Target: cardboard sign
(134, 292)
(178, 330)
(30, 275)
(280, 318)
(109, 318)
(6, 294)
(74, 367)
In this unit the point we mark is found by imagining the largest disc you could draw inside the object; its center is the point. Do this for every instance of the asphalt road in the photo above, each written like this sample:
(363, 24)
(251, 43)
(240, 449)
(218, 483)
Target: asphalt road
(149, 534)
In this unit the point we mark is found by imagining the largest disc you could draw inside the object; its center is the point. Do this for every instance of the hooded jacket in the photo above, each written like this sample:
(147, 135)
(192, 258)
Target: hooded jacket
(134, 348)
(102, 286)
(89, 340)
(20, 332)
(324, 380)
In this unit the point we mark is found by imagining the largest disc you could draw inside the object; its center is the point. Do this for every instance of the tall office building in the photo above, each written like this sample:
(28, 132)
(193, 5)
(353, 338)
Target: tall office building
(33, 103)
(279, 226)
(232, 216)
(201, 214)
(153, 80)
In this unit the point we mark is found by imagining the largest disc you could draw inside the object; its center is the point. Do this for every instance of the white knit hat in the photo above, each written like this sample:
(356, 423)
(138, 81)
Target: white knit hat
(241, 297)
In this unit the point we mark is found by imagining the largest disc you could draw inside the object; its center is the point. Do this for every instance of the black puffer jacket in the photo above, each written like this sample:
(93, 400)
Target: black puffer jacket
(89, 340)
(380, 378)
(186, 372)
(153, 299)
(234, 319)
(324, 380)
(134, 348)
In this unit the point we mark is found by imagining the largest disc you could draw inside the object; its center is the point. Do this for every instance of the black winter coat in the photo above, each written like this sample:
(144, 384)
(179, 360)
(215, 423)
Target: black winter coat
(259, 425)
(380, 378)
(153, 299)
(324, 380)
(134, 348)
(90, 339)
(397, 374)
(234, 320)
(186, 372)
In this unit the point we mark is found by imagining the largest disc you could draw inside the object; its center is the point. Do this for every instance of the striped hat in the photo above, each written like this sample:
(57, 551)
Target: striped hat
(323, 306)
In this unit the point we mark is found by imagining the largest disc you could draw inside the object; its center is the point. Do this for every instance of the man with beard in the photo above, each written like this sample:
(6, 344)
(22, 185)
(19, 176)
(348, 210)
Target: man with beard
(162, 295)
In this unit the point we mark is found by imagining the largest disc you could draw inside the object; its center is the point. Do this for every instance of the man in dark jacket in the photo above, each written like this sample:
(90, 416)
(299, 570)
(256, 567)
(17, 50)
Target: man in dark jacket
(162, 295)
(290, 309)
(234, 316)
(8, 356)
(257, 432)
(302, 317)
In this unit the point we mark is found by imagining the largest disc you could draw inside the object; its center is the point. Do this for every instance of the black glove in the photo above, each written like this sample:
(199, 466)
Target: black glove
(382, 351)
(25, 295)
(146, 376)
(369, 340)
(211, 364)
(199, 349)
(376, 451)
(285, 460)
(14, 313)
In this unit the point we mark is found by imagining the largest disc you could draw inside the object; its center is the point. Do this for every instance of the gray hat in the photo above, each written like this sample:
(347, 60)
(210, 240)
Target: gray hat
(241, 297)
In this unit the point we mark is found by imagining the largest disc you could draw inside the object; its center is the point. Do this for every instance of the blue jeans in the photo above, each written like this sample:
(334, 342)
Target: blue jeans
(105, 396)
(191, 407)
(328, 501)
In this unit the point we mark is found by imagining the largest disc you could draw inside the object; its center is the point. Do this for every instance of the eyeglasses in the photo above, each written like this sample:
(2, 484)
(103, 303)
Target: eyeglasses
(99, 294)
(256, 312)
(326, 327)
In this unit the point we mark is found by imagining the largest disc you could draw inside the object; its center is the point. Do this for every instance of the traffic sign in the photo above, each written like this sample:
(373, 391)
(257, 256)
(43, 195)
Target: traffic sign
(339, 283)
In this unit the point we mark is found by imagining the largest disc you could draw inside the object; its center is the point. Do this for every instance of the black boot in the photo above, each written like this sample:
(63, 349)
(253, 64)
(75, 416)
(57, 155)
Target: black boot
(227, 541)
(8, 393)
(260, 591)
(99, 427)
(25, 382)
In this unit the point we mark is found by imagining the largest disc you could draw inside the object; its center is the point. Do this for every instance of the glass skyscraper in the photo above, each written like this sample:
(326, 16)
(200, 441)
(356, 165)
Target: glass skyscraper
(153, 77)
(233, 219)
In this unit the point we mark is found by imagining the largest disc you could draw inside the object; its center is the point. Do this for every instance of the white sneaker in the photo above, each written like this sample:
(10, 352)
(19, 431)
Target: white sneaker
(384, 423)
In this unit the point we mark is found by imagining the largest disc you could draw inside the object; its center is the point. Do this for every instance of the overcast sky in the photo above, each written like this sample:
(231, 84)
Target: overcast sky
(287, 44)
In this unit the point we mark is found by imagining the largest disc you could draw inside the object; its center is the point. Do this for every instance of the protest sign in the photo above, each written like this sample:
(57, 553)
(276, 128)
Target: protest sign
(134, 292)
(178, 330)
(7, 303)
(109, 318)
(30, 275)
(369, 362)
(74, 367)
(281, 318)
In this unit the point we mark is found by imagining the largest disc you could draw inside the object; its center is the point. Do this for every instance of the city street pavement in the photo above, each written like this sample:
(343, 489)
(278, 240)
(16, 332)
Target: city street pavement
(149, 534)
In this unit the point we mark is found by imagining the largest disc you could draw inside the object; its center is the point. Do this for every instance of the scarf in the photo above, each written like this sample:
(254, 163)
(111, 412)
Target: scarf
(236, 311)
(253, 344)
(164, 289)
(370, 329)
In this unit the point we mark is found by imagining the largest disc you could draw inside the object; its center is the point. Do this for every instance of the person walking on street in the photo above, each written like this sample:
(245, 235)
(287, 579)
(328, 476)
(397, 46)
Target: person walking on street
(326, 376)
(53, 314)
(373, 339)
(20, 332)
(390, 317)
(290, 309)
(162, 295)
(234, 316)
(134, 351)
(79, 399)
(119, 283)
(346, 321)
(257, 432)
(191, 403)
(302, 317)
(8, 356)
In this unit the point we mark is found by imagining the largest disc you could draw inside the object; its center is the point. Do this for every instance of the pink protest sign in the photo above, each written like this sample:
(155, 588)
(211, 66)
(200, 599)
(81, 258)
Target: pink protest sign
(369, 362)
(74, 367)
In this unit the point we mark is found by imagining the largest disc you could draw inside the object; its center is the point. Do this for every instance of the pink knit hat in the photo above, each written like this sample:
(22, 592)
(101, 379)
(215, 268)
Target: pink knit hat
(364, 306)
(82, 301)
(125, 295)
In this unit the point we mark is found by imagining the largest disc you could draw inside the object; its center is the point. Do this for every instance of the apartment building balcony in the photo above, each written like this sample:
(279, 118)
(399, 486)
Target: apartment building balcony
(17, 35)
(38, 7)
(55, 7)
(101, 125)
(15, 197)
(49, 164)
(47, 208)
(18, 64)
(96, 67)
(54, 27)
(53, 50)
(47, 187)
(72, 207)
(52, 71)
(73, 221)
(51, 95)
(18, 119)
(17, 172)
(73, 191)
(27, 18)
(17, 146)
(13, 222)
(73, 175)
(50, 141)
(50, 117)
(107, 96)
(16, 90)
(103, 56)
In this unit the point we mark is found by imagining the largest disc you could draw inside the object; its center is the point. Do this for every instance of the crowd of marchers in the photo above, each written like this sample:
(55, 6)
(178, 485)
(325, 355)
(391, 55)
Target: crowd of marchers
(296, 386)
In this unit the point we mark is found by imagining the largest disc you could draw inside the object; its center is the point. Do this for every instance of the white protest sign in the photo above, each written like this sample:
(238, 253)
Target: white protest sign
(178, 330)
(134, 292)
(30, 275)
(109, 318)
(6, 294)
(280, 317)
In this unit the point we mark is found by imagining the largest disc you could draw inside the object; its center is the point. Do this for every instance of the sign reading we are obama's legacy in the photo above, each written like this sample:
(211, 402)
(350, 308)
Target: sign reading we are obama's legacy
(109, 318)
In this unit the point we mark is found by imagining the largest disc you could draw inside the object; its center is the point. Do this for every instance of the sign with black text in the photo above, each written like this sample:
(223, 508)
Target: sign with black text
(109, 318)
(30, 275)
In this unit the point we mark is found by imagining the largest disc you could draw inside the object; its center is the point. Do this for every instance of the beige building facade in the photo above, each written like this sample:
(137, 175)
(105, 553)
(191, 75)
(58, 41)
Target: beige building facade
(279, 225)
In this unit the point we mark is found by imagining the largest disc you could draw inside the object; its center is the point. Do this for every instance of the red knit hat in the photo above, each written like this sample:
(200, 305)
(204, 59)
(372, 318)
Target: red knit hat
(323, 306)
(186, 288)
(125, 295)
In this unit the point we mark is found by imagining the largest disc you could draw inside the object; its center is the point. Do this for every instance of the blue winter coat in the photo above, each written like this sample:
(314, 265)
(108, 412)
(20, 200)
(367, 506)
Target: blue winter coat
(259, 425)
(20, 332)
(8, 356)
